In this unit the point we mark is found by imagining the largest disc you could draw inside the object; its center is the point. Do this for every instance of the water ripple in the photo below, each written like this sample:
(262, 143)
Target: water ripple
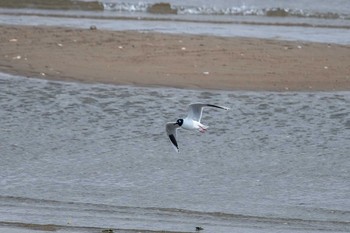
(278, 155)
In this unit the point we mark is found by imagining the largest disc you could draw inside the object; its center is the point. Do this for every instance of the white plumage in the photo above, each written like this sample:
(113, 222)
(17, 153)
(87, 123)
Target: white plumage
(192, 121)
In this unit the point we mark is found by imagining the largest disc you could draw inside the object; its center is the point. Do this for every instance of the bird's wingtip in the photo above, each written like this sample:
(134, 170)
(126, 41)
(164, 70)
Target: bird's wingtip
(225, 108)
(217, 106)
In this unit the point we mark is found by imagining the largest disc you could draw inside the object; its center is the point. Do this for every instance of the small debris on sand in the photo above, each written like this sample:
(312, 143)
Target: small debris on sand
(93, 27)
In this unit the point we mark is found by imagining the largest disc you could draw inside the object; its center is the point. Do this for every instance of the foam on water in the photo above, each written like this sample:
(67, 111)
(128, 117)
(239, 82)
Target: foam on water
(90, 155)
(234, 10)
(315, 9)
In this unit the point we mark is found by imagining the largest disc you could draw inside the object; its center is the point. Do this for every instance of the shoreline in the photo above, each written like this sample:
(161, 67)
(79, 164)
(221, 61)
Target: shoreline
(173, 60)
(19, 227)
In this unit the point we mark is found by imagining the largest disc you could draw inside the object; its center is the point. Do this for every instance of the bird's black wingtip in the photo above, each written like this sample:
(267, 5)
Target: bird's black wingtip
(216, 106)
(174, 142)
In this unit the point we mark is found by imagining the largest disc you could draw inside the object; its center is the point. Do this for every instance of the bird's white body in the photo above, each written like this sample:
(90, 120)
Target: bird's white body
(192, 121)
(191, 124)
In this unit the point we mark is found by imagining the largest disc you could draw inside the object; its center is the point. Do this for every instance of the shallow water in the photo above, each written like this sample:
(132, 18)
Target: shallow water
(93, 155)
(315, 21)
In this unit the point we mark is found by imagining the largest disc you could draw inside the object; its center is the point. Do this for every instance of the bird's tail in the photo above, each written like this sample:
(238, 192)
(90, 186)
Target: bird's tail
(203, 127)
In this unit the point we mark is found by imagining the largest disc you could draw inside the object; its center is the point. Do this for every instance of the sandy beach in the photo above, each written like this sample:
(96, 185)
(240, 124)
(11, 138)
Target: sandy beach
(183, 61)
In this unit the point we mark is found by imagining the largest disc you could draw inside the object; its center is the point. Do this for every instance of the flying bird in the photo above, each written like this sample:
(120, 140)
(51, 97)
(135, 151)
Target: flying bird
(192, 121)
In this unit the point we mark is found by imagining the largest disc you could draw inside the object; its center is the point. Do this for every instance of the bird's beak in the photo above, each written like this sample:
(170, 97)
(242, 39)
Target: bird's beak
(176, 123)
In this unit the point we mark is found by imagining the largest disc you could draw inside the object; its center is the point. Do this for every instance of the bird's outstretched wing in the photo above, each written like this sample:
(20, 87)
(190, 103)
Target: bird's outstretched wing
(195, 110)
(170, 129)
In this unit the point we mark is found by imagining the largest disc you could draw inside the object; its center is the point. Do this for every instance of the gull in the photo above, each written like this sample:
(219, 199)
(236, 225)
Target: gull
(192, 121)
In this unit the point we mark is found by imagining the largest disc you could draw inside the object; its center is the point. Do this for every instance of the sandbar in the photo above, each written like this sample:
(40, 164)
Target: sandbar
(173, 60)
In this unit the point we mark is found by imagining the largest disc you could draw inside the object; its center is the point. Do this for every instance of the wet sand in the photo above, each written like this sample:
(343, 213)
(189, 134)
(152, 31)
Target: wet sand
(15, 227)
(183, 61)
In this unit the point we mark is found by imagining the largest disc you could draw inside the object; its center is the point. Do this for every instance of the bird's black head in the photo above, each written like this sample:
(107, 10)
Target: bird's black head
(179, 122)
